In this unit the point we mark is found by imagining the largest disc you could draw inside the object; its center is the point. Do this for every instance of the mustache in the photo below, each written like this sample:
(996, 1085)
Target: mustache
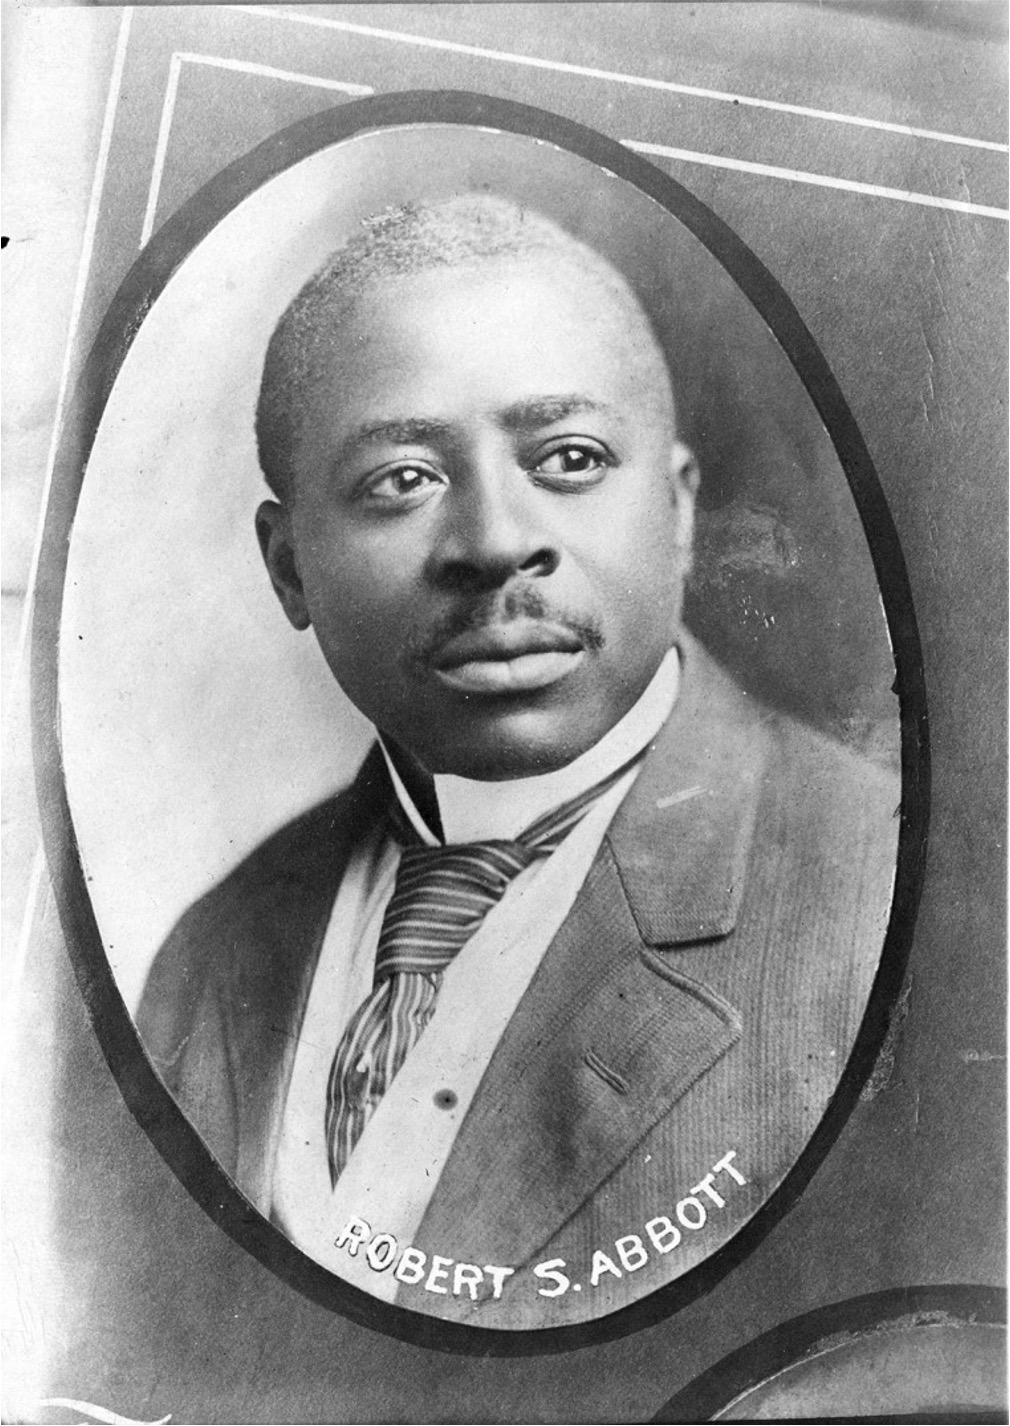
(491, 610)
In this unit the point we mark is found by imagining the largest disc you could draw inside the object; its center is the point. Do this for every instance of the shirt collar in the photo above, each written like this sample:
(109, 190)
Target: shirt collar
(469, 814)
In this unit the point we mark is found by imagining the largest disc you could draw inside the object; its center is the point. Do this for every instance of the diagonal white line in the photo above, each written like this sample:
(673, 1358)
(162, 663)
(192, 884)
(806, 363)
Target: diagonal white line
(821, 180)
(83, 269)
(21, 955)
(241, 66)
(248, 66)
(161, 148)
(616, 77)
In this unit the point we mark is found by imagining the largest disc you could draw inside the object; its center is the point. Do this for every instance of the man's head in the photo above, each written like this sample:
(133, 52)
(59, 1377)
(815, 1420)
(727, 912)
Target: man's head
(483, 509)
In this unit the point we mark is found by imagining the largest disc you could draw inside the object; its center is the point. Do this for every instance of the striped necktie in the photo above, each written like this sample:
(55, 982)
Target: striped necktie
(441, 897)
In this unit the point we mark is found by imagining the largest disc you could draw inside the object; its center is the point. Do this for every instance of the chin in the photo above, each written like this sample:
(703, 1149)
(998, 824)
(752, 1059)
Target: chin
(526, 744)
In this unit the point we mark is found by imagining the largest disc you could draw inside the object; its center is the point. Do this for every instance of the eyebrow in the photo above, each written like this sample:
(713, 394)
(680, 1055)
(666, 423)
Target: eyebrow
(545, 410)
(422, 430)
(409, 430)
(404, 431)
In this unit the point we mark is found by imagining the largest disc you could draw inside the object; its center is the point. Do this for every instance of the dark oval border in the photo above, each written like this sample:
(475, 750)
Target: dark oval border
(789, 1342)
(146, 1097)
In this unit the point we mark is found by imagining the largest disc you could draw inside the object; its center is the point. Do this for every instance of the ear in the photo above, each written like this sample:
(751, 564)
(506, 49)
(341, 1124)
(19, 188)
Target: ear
(273, 529)
(684, 480)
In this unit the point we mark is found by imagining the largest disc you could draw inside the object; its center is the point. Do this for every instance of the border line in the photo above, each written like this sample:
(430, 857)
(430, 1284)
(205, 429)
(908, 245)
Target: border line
(13, 996)
(820, 180)
(798, 1340)
(83, 272)
(39, 861)
(617, 77)
(161, 147)
(848, 185)
(242, 66)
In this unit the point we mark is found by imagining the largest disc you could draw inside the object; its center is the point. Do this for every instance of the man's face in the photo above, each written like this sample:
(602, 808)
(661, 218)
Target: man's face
(491, 520)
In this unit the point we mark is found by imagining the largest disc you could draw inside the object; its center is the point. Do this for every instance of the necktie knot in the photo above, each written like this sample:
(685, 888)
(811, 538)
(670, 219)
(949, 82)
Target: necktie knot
(442, 896)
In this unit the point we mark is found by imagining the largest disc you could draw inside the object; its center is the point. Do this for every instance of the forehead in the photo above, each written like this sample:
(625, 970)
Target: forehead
(491, 335)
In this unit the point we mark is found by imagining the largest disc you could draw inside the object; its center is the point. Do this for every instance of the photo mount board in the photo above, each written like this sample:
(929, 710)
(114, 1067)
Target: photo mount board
(146, 1097)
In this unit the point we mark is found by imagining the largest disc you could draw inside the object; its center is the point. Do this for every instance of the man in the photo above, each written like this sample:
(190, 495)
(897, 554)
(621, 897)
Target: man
(536, 1015)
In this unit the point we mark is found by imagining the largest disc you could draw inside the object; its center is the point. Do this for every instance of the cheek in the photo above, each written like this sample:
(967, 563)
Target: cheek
(347, 579)
(640, 566)
(348, 615)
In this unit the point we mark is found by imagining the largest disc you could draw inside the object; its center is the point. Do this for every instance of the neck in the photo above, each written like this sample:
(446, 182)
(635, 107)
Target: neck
(458, 809)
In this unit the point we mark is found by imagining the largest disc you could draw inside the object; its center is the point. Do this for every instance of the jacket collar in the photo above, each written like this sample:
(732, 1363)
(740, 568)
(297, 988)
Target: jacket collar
(681, 837)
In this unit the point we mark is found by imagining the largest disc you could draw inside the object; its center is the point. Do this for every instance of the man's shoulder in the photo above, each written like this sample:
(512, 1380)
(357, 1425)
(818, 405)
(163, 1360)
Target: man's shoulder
(817, 771)
(824, 846)
(815, 800)
(261, 910)
(298, 853)
(299, 849)
(796, 750)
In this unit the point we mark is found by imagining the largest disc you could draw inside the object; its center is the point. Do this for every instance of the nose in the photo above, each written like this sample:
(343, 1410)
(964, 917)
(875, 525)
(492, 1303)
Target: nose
(491, 531)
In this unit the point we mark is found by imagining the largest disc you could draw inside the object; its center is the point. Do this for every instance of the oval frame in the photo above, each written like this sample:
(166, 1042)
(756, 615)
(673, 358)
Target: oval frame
(150, 1103)
(734, 1377)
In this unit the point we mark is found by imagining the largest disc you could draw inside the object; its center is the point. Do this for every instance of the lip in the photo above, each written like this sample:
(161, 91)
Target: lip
(512, 640)
(517, 657)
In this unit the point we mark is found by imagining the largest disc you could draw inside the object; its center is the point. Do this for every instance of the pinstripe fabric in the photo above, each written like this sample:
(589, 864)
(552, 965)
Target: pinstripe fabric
(441, 896)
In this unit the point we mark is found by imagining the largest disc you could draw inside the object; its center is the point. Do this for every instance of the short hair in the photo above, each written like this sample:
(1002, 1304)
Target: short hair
(464, 231)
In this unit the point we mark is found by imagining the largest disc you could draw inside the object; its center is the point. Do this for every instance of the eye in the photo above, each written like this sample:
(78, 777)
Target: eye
(403, 485)
(573, 464)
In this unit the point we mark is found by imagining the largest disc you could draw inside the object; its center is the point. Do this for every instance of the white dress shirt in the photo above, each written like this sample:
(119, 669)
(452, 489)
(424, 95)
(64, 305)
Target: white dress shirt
(395, 1166)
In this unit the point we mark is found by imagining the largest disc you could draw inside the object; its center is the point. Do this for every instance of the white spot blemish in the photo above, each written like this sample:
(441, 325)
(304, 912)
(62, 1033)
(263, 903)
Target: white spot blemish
(677, 797)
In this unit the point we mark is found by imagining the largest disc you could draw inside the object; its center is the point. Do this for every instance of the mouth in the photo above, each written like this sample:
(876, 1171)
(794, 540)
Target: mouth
(517, 657)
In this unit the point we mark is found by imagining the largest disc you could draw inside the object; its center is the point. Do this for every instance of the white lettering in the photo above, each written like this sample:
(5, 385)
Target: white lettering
(726, 1165)
(410, 1268)
(467, 1275)
(498, 1276)
(439, 1270)
(381, 1251)
(549, 1270)
(631, 1252)
(601, 1264)
(706, 1188)
(354, 1231)
(659, 1229)
(680, 1212)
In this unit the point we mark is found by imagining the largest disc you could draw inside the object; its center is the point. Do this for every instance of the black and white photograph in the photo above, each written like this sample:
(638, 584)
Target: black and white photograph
(510, 563)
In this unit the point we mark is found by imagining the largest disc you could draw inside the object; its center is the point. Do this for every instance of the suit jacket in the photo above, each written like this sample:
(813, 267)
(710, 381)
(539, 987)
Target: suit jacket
(700, 999)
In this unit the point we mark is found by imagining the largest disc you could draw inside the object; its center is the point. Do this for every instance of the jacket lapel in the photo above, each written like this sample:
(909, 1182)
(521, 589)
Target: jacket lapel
(682, 836)
(610, 1034)
(266, 1003)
